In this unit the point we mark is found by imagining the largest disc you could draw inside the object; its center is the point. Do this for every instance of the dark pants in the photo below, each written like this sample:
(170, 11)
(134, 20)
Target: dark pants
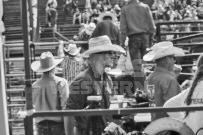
(47, 127)
(137, 48)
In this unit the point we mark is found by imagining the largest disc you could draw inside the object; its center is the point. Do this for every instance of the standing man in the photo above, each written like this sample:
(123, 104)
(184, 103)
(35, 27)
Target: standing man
(162, 83)
(92, 82)
(137, 24)
(106, 26)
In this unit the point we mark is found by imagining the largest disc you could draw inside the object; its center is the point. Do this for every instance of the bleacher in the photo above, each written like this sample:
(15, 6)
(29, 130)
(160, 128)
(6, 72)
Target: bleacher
(15, 70)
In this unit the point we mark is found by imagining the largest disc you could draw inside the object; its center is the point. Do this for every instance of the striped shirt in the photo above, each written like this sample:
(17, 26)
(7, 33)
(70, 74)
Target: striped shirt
(71, 68)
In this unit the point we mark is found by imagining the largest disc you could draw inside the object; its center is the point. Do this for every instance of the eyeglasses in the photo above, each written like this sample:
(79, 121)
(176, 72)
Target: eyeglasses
(111, 53)
(173, 57)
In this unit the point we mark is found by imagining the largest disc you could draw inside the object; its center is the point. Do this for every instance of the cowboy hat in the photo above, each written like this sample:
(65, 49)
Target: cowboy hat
(101, 44)
(107, 13)
(90, 28)
(72, 49)
(46, 63)
(116, 7)
(161, 50)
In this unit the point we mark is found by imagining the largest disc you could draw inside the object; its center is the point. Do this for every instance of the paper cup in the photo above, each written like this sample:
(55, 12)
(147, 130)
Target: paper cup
(120, 98)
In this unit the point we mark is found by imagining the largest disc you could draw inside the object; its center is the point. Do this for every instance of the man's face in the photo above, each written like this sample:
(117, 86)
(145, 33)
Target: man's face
(171, 61)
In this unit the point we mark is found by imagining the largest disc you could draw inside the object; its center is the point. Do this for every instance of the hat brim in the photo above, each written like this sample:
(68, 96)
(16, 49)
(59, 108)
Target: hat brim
(101, 16)
(75, 53)
(89, 32)
(153, 55)
(105, 48)
(36, 66)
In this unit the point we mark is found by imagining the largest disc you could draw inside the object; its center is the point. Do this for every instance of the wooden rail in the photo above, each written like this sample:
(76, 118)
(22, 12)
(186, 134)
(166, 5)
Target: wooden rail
(93, 112)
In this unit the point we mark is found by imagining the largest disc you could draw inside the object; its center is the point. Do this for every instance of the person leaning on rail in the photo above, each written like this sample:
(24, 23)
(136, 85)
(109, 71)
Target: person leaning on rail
(192, 96)
(92, 81)
(50, 92)
(162, 83)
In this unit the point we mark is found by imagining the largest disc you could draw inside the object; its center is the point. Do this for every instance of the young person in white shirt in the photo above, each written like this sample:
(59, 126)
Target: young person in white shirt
(192, 96)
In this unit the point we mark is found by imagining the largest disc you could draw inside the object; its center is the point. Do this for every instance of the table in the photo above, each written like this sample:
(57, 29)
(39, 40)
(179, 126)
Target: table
(121, 104)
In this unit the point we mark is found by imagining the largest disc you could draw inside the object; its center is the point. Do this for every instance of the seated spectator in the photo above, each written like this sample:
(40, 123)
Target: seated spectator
(77, 17)
(177, 15)
(94, 4)
(117, 11)
(95, 14)
(200, 11)
(74, 5)
(86, 16)
(154, 11)
(85, 34)
(51, 13)
(68, 7)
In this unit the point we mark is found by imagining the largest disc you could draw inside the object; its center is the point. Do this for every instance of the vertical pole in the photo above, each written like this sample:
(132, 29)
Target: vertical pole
(30, 18)
(3, 103)
(158, 32)
(28, 121)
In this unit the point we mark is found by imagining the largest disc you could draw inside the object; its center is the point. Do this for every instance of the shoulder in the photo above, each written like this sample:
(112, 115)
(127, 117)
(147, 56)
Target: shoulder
(143, 5)
(81, 78)
(61, 81)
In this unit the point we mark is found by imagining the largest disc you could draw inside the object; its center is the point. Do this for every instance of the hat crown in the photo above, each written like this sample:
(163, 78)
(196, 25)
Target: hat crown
(99, 41)
(162, 45)
(72, 49)
(91, 26)
(46, 60)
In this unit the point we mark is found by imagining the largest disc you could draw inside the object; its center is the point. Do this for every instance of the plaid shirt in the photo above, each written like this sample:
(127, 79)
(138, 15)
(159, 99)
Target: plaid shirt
(71, 68)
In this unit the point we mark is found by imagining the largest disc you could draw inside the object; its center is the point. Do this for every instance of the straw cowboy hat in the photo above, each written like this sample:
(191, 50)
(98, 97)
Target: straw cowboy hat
(102, 15)
(90, 28)
(161, 50)
(116, 7)
(102, 44)
(46, 63)
(72, 49)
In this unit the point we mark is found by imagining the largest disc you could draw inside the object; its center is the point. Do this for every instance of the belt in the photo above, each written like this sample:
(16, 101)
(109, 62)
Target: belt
(49, 122)
(138, 34)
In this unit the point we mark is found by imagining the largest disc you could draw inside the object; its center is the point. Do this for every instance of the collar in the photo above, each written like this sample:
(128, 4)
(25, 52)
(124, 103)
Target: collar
(161, 69)
(51, 75)
(96, 75)
(134, 2)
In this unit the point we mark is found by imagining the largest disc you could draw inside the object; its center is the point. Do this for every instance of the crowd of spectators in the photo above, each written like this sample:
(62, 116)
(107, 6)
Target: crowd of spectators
(162, 10)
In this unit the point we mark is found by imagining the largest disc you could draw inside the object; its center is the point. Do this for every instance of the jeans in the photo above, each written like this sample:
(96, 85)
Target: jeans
(137, 48)
(50, 129)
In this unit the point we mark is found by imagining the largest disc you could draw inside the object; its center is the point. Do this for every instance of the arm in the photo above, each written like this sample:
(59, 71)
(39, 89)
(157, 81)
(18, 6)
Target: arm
(60, 51)
(170, 89)
(68, 125)
(176, 101)
(152, 27)
(97, 30)
(123, 28)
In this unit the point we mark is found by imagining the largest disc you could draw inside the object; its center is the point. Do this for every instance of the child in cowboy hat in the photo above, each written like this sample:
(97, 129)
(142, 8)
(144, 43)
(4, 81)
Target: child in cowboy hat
(92, 82)
(73, 61)
(50, 92)
(163, 80)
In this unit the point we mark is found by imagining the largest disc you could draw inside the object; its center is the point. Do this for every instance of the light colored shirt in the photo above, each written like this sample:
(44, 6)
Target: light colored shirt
(195, 118)
(45, 96)
(136, 18)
